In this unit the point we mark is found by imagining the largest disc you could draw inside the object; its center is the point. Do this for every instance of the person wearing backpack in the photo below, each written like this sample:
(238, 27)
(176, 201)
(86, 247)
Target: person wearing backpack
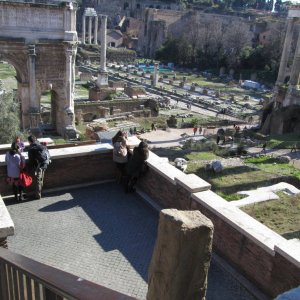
(38, 161)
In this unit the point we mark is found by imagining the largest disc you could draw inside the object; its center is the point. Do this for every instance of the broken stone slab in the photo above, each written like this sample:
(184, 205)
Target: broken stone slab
(181, 257)
(7, 227)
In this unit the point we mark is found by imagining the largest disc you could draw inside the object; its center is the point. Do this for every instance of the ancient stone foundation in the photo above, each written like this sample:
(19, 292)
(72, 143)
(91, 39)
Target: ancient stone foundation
(181, 256)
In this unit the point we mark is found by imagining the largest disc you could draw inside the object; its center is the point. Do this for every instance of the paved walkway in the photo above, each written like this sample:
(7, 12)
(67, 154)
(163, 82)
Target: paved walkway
(103, 235)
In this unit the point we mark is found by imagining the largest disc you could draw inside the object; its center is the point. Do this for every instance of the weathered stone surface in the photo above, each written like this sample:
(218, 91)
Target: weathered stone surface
(181, 257)
(6, 224)
(44, 59)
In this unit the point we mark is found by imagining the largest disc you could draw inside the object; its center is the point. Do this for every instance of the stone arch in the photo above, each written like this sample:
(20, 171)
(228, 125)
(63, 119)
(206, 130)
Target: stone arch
(41, 57)
(19, 67)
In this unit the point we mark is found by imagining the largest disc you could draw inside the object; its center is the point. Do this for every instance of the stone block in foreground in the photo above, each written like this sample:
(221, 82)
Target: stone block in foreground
(181, 257)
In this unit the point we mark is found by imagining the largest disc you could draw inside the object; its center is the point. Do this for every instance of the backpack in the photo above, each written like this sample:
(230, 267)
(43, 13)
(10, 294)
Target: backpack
(43, 156)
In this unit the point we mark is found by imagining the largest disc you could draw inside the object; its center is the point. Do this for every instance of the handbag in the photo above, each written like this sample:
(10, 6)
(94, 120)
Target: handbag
(25, 179)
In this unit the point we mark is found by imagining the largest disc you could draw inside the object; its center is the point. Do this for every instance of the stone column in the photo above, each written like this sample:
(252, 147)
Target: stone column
(103, 43)
(102, 80)
(155, 75)
(285, 51)
(70, 78)
(83, 29)
(32, 80)
(181, 256)
(294, 78)
(96, 31)
(90, 30)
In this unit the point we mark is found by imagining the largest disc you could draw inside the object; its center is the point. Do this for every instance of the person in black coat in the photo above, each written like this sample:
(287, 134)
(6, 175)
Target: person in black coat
(37, 164)
(136, 165)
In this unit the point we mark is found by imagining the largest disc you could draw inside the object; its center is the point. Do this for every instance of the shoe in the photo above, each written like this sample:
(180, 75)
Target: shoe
(22, 197)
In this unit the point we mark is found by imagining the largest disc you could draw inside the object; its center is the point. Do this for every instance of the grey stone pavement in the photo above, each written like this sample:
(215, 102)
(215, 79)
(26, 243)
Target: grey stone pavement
(101, 234)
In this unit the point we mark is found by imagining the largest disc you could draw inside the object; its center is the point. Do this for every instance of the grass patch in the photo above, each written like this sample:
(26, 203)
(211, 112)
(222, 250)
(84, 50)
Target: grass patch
(201, 156)
(145, 123)
(81, 91)
(282, 216)
(46, 97)
(285, 141)
(269, 164)
(7, 75)
(7, 71)
(232, 179)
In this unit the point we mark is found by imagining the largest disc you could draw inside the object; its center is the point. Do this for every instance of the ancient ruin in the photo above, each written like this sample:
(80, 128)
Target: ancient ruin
(282, 113)
(90, 13)
(183, 238)
(44, 59)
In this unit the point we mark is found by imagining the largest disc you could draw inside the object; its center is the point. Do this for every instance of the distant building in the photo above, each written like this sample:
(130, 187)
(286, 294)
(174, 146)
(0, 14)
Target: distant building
(114, 38)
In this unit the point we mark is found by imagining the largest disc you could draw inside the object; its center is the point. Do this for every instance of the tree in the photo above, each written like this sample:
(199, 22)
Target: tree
(9, 118)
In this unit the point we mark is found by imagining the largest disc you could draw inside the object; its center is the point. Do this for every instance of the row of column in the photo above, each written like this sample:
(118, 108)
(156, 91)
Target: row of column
(90, 20)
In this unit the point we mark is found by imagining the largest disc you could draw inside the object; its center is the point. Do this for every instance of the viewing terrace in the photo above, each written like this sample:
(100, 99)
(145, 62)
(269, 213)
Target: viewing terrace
(86, 226)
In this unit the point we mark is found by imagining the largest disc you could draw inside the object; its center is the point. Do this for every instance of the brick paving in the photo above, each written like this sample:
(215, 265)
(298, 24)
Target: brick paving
(103, 235)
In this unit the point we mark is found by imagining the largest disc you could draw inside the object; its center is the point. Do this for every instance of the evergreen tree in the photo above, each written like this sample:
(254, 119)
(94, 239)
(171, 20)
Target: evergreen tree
(9, 118)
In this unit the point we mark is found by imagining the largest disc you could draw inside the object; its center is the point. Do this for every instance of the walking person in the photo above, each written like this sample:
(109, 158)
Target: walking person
(38, 161)
(264, 148)
(14, 164)
(195, 130)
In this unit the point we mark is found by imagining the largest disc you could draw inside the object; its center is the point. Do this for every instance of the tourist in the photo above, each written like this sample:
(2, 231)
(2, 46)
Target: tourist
(294, 148)
(136, 165)
(120, 155)
(20, 143)
(264, 148)
(153, 127)
(200, 130)
(38, 161)
(15, 162)
(195, 130)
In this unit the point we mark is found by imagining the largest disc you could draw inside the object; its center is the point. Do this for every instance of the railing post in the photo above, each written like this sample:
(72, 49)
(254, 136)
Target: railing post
(49, 295)
(3, 281)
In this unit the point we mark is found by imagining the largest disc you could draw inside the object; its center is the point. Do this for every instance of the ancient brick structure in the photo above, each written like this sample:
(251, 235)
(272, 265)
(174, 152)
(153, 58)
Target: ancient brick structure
(282, 113)
(40, 41)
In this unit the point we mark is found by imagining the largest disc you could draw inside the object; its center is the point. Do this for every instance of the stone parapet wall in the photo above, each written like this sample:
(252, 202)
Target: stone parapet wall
(263, 256)
(72, 166)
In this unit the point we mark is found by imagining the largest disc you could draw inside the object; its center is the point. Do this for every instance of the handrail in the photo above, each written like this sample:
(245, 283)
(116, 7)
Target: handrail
(24, 278)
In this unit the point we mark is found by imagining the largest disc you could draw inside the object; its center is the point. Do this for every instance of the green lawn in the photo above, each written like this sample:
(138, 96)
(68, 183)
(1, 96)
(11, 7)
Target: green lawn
(285, 141)
(282, 216)
(270, 165)
(7, 71)
(81, 91)
(7, 75)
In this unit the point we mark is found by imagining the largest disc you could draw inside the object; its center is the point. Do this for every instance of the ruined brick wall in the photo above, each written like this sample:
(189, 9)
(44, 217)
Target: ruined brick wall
(161, 24)
(124, 105)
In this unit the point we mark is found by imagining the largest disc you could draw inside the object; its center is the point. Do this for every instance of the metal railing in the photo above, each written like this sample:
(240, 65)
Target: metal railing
(22, 278)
